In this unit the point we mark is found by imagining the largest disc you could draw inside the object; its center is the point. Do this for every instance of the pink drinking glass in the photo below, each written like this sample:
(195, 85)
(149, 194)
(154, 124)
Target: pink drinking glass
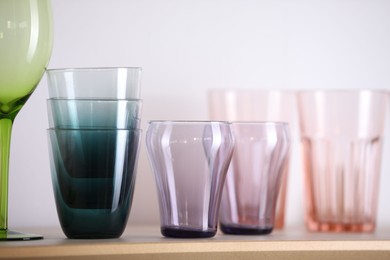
(342, 138)
(258, 105)
(254, 177)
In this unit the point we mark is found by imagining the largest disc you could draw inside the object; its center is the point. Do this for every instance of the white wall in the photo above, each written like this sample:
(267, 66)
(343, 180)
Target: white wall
(185, 48)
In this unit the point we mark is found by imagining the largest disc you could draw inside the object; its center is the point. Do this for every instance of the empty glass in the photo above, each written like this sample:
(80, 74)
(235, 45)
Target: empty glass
(342, 138)
(94, 113)
(254, 177)
(258, 105)
(93, 175)
(94, 117)
(189, 160)
(95, 83)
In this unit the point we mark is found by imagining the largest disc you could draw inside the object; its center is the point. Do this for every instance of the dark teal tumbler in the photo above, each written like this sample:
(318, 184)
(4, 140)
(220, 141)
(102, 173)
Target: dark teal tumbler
(93, 175)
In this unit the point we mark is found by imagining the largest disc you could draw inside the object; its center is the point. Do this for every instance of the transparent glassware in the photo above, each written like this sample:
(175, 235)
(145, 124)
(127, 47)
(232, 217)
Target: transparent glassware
(342, 139)
(26, 43)
(94, 113)
(254, 177)
(93, 175)
(95, 83)
(259, 105)
(189, 161)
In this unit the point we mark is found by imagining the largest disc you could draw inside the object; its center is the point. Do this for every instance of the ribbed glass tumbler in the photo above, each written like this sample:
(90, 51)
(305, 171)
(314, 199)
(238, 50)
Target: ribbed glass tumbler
(254, 177)
(259, 105)
(342, 138)
(190, 161)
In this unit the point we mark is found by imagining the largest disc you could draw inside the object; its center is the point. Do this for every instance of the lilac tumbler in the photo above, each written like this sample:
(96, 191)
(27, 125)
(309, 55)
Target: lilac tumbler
(190, 161)
(254, 177)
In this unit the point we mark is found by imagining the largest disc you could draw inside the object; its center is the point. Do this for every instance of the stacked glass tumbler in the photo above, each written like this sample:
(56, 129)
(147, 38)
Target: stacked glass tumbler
(94, 137)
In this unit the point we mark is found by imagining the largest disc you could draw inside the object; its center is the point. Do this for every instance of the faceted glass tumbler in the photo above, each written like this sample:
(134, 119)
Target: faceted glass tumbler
(93, 175)
(254, 177)
(190, 161)
(95, 83)
(342, 139)
(259, 105)
(94, 113)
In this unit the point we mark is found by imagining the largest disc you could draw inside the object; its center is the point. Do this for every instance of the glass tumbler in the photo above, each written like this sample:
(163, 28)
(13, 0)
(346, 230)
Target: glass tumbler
(95, 83)
(259, 105)
(93, 174)
(94, 113)
(342, 138)
(254, 177)
(190, 161)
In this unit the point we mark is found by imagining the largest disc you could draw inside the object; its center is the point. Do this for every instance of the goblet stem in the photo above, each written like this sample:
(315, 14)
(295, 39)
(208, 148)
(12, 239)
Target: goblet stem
(5, 140)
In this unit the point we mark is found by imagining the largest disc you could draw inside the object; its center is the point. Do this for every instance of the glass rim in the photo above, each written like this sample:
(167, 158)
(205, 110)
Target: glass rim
(95, 99)
(63, 129)
(292, 91)
(345, 90)
(274, 123)
(85, 69)
(243, 90)
(189, 122)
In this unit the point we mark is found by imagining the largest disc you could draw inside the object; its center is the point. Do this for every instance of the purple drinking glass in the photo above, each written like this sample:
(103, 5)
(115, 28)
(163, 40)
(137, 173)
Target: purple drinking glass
(190, 161)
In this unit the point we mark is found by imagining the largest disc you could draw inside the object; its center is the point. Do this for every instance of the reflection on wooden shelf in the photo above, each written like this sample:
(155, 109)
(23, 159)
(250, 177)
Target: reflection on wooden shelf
(146, 242)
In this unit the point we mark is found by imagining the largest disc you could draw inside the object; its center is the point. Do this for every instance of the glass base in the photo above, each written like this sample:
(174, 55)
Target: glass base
(313, 226)
(242, 230)
(178, 232)
(8, 235)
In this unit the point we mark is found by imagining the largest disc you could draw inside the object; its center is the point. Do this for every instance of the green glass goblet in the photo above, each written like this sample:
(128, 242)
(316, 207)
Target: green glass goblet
(25, 50)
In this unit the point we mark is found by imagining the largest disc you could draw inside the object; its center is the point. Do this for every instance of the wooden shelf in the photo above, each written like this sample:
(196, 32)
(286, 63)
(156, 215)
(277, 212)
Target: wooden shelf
(145, 242)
